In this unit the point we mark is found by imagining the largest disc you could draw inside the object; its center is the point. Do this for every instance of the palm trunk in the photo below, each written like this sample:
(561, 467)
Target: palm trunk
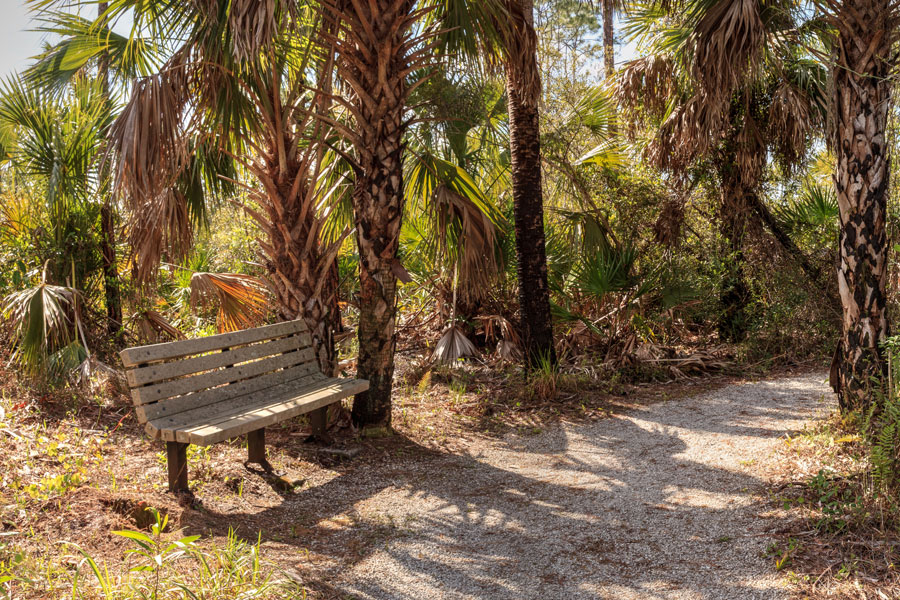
(374, 60)
(734, 292)
(861, 101)
(523, 90)
(110, 267)
(299, 267)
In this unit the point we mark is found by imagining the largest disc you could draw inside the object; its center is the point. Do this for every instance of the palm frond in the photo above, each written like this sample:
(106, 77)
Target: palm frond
(44, 319)
(243, 300)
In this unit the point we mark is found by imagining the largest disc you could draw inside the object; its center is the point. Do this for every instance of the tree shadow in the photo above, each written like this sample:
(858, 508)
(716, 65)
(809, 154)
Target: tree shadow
(629, 507)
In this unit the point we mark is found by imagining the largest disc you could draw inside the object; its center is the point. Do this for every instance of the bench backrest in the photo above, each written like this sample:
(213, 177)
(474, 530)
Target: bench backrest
(167, 379)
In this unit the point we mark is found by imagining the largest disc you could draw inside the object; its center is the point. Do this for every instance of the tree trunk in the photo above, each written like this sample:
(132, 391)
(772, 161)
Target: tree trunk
(299, 265)
(523, 90)
(374, 60)
(111, 288)
(110, 269)
(861, 99)
(734, 293)
(609, 50)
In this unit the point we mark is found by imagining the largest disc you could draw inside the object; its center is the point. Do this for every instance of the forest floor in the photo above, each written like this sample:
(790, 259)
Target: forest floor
(655, 492)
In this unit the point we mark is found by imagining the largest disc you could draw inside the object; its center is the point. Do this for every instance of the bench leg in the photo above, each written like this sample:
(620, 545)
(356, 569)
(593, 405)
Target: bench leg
(319, 421)
(176, 457)
(256, 446)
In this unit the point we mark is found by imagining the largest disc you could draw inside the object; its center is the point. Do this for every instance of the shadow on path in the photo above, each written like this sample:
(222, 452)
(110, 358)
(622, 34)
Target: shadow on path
(658, 503)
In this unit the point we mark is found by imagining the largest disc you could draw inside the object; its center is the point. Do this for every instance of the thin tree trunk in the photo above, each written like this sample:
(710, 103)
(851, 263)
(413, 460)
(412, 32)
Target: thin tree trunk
(523, 90)
(861, 100)
(734, 293)
(111, 288)
(374, 62)
(609, 50)
(813, 273)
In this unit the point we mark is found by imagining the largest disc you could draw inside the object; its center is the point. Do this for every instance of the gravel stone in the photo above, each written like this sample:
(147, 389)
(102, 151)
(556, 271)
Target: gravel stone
(663, 502)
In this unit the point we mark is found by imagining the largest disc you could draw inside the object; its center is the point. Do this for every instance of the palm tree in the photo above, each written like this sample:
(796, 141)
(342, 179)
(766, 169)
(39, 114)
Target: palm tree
(864, 61)
(54, 142)
(377, 49)
(523, 92)
(379, 46)
(727, 103)
(232, 95)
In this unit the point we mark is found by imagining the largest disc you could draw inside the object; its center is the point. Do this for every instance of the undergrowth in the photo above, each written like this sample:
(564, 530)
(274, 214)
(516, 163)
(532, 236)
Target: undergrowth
(155, 568)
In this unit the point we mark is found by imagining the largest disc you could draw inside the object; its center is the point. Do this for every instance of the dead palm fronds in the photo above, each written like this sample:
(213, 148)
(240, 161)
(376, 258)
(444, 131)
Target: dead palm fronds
(453, 346)
(242, 300)
(151, 326)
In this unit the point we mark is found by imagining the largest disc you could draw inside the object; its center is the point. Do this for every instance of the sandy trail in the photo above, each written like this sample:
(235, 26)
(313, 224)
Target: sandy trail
(662, 502)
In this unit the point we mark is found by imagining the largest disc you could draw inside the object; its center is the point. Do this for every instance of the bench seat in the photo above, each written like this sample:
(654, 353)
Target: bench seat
(257, 410)
(211, 389)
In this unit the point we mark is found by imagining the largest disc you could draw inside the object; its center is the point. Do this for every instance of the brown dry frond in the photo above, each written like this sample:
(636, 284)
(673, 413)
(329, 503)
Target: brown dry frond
(647, 83)
(252, 24)
(694, 127)
(161, 224)
(478, 265)
(151, 326)
(243, 300)
(667, 228)
(790, 122)
(750, 157)
(147, 138)
(728, 45)
(509, 344)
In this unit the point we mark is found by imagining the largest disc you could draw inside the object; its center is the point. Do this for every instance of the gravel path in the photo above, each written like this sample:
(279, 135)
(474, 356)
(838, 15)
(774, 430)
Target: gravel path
(660, 503)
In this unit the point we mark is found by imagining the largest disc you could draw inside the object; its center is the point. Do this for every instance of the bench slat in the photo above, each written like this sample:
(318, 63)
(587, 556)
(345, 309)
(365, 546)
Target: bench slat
(160, 392)
(163, 371)
(237, 404)
(209, 400)
(252, 418)
(145, 354)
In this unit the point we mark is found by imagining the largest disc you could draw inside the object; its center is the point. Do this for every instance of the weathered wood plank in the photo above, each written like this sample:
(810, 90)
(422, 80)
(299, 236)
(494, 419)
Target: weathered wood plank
(178, 387)
(272, 413)
(237, 404)
(145, 354)
(163, 371)
(207, 399)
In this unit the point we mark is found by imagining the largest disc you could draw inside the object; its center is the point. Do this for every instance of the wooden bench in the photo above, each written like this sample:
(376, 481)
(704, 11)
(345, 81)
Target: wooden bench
(207, 390)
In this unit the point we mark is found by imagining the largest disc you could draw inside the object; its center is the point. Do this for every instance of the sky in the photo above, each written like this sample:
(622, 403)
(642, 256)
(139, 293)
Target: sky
(17, 44)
